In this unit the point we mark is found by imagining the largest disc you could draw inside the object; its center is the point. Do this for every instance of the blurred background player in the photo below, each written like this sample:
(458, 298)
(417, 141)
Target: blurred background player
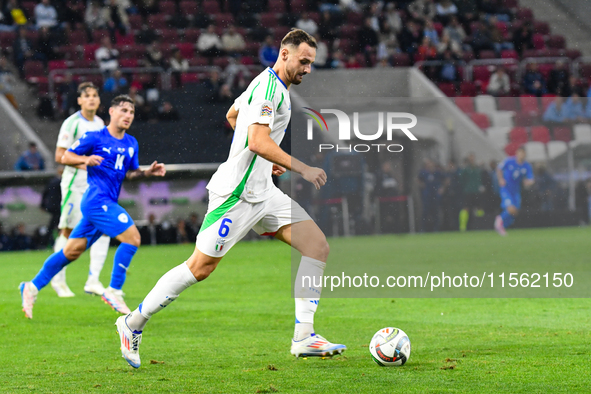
(511, 173)
(242, 197)
(110, 155)
(73, 186)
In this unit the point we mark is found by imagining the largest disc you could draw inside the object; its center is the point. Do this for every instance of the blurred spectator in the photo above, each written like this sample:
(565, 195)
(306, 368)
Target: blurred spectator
(178, 65)
(533, 81)
(388, 44)
(451, 201)
(5, 242)
(181, 232)
(449, 71)
(232, 42)
(51, 200)
(68, 91)
(467, 11)
(22, 50)
(268, 53)
(383, 63)
(209, 43)
(31, 160)
(352, 63)
(367, 39)
(373, 13)
(328, 26)
(445, 9)
(574, 109)
(321, 52)
(193, 225)
(5, 22)
(14, 14)
(557, 112)
(471, 180)
(151, 233)
(167, 113)
(336, 60)
(573, 86)
(558, 80)
(546, 187)
(20, 239)
(94, 17)
(116, 17)
(431, 32)
(499, 83)
(116, 83)
(523, 39)
(106, 56)
(422, 9)
(386, 183)
(45, 14)
(44, 49)
(218, 90)
(410, 37)
(237, 75)
(427, 51)
(392, 18)
(7, 82)
(431, 186)
(447, 43)
(307, 24)
(154, 55)
(146, 35)
(139, 102)
(455, 31)
(481, 38)
(147, 7)
(498, 39)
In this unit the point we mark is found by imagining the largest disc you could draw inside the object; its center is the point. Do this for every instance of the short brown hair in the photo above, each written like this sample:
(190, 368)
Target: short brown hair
(122, 98)
(86, 85)
(296, 37)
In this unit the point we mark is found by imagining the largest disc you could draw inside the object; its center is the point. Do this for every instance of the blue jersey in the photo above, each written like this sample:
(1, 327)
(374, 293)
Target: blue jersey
(514, 173)
(119, 156)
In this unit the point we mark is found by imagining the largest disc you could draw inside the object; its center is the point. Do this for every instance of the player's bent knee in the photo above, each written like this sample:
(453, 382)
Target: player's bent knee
(74, 248)
(513, 211)
(201, 265)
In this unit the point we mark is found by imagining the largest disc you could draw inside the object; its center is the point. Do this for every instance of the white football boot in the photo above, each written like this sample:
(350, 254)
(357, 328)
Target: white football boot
(114, 298)
(62, 289)
(130, 342)
(28, 296)
(316, 346)
(94, 287)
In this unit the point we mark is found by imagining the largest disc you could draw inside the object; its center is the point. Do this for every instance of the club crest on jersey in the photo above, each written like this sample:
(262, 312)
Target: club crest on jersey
(131, 151)
(219, 244)
(266, 111)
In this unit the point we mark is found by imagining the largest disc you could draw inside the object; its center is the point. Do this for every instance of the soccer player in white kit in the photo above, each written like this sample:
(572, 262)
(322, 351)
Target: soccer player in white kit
(242, 196)
(74, 185)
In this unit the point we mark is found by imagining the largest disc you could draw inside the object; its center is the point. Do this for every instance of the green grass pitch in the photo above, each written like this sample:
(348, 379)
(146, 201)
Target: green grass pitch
(231, 333)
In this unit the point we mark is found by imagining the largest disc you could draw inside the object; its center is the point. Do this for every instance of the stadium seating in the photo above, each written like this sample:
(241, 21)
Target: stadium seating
(562, 134)
(556, 148)
(518, 135)
(498, 136)
(582, 134)
(466, 104)
(481, 120)
(485, 104)
(535, 151)
(540, 134)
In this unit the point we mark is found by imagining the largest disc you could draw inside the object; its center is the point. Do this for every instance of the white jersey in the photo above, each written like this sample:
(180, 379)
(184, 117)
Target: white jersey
(72, 129)
(246, 175)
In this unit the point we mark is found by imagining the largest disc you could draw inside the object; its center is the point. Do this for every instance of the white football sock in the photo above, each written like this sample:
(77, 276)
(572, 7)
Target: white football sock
(59, 244)
(168, 288)
(310, 274)
(98, 255)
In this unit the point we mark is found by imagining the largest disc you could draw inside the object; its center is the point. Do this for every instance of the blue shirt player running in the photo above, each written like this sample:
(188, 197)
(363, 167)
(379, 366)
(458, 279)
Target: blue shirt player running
(109, 155)
(511, 173)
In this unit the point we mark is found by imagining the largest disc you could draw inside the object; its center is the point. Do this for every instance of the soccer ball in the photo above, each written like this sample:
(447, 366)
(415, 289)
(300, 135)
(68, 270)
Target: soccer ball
(390, 347)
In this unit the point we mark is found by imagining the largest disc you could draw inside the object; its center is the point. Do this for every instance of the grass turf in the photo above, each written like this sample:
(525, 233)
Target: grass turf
(231, 333)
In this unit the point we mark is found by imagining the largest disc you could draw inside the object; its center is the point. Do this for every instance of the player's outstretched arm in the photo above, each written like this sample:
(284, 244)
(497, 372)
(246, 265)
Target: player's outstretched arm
(155, 169)
(72, 159)
(260, 142)
(231, 116)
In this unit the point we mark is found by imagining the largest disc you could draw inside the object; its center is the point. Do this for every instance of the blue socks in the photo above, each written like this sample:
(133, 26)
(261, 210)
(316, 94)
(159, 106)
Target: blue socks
(51, 267)
(123, 257)
(508, 219)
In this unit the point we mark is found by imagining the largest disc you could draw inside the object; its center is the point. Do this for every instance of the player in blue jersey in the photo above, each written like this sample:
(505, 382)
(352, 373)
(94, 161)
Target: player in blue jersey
(511, 173)
(109, 155)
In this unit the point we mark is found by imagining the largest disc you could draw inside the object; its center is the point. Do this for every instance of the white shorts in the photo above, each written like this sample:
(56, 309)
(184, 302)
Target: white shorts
(71, 213)
(229, 219)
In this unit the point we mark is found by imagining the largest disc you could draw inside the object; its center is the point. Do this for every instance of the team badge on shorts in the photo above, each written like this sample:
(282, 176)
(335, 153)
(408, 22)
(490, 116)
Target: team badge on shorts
(123, 218)
(219, 244)
(266, 111)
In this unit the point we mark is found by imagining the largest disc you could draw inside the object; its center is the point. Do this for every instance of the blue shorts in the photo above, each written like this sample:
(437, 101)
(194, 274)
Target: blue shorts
(510, 199)
(101, 218)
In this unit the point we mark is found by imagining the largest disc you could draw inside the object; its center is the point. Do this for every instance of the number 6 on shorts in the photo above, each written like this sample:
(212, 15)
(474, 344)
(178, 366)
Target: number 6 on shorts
(224, 229)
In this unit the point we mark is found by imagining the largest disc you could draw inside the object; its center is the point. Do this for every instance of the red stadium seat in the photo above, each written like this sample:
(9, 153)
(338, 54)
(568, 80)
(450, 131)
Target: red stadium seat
(509, 54)
(188, 8)
(510, 3)
(524, 119)
(247, 60)
(198, 61)
(573, 53)
(346, 46)
(189, 78)
(128, 63)
(518, 135)
(192, 35)
(540, 134)
(538, 41)
(585, 70)
(167, 7)
(541, 28)
(83, 63)
(468, 89)
(187, 49)
(269, 19)
(224, 20)
(487, 54)
(466, 104)
(506, 104)
(531, 53)
(400, 60)
(481, 73)
(529, 105)
(252, 48)
(438, 26)
(563, 134)
(158, 21)
(299, 6)
(524, 14)
(78, 38)
(169, 36)
(349, 31)
(97, 35)
(511, 148)
(280, 31)
(29, 8)
(135, 22)
(89, 50)
(355, 18)
(277, 6)
(481, 120)
(211, 7)
(7, 39)
(447, 88)
(57, 65)
(128, 39)
(221, 62)
(556, 42)
(468, 56)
